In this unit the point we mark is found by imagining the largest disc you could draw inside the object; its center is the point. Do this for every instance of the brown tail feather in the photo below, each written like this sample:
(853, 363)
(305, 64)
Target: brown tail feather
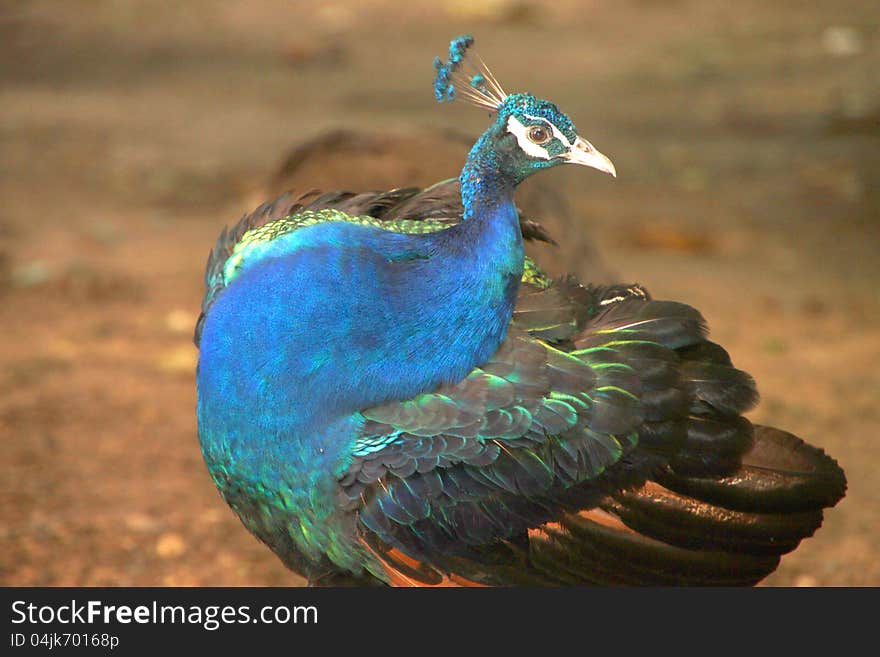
(781, 473)
(596, 548)
(698, 531)
(403, 570)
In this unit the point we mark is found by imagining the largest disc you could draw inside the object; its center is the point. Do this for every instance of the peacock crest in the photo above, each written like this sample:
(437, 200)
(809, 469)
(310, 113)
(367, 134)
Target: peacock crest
(477, 85)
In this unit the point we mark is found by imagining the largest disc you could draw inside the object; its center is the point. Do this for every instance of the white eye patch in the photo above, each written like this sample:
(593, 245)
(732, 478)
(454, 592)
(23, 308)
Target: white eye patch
(518, 130)
(556, 131)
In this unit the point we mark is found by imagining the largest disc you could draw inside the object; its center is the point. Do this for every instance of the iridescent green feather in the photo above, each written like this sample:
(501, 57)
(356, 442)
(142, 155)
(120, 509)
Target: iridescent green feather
(534, 275)
(514, 403)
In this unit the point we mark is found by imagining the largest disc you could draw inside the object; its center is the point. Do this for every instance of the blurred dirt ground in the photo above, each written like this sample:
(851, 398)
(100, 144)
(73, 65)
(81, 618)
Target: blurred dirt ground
(747, 140)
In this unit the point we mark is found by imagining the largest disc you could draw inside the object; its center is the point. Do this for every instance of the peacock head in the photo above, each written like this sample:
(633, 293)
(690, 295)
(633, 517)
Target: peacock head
(528, 134)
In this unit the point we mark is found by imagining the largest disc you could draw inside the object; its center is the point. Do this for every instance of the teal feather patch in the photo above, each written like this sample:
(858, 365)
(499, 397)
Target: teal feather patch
(283, 236)
(258, 242)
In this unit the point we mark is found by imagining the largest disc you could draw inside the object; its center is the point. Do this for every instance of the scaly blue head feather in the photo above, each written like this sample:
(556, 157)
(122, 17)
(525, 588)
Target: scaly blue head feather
(545, 136)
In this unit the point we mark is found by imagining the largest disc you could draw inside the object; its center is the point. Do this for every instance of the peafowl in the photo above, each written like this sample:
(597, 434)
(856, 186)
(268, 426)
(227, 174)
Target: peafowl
(391, 393)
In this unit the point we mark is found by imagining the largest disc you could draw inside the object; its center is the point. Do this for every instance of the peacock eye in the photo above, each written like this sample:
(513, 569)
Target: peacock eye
(539, 134)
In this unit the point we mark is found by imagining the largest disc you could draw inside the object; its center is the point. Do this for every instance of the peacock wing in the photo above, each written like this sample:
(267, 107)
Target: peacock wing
(450, 478)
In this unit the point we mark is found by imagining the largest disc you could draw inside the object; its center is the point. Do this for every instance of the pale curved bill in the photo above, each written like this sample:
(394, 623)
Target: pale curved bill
(583, 152)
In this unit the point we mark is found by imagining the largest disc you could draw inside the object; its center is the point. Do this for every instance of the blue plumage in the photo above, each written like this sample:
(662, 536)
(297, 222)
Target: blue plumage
(410, 401)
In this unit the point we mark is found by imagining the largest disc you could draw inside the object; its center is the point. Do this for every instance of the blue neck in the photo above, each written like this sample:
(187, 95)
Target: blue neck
(484, 188)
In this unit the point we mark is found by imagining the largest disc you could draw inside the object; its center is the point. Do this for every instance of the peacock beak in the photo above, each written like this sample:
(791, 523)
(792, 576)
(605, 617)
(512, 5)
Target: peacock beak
(583, 152)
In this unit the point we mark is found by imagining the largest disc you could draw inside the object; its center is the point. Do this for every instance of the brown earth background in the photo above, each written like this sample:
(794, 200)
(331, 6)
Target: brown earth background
(747, 141)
